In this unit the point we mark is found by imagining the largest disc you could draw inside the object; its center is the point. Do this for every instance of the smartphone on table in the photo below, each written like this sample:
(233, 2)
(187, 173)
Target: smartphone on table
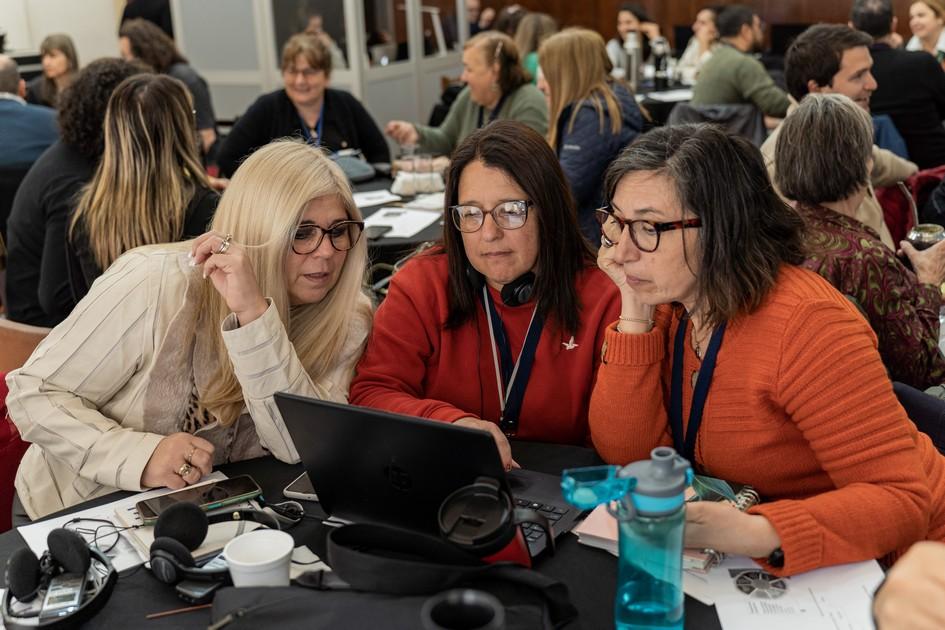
(209, 496)
(374, 232)
(301, 488)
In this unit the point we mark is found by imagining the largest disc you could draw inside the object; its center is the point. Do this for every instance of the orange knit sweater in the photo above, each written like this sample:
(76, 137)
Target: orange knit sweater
(801, 408)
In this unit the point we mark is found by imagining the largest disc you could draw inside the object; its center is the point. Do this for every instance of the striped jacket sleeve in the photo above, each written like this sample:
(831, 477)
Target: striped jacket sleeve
(59, 398)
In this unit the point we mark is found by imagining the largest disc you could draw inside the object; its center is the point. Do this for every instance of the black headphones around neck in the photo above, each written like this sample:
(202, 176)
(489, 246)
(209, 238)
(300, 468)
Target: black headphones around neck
(182, 528)
(515, 293)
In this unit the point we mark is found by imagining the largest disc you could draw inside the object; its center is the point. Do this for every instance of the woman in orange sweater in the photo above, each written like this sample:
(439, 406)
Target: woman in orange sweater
(756, 370)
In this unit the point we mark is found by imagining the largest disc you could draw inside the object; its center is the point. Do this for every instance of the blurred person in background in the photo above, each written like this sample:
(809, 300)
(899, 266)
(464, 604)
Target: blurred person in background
(60, 65)
(141, 39)
(593, 116)
(497, 88)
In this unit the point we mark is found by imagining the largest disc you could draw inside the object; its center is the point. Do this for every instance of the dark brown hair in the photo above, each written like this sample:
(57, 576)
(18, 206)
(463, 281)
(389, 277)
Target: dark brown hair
(499, 47)
(747, 232)
(151, 45)
(525, 156)
(48, 91)
(83, 104)
(816, 55)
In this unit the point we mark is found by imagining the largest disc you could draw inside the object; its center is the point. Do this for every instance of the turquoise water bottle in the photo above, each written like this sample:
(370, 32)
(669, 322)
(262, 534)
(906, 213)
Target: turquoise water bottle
(647, 498)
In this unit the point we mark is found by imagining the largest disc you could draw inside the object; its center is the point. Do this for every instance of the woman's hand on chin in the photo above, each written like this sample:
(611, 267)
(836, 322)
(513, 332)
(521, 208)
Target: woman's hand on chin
(635, 316)
(226, 264)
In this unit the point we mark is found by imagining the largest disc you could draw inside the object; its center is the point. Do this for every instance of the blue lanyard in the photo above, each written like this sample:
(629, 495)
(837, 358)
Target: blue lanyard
(511, 379)
(317, 140)
(494, 114)
(685, 445)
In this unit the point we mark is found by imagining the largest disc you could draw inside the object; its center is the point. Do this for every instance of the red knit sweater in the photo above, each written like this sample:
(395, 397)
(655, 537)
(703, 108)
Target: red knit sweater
(413, 366)
(801, 408)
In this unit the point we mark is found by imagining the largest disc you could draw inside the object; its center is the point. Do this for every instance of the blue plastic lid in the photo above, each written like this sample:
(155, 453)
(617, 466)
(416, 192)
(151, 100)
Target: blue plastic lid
(661, 482)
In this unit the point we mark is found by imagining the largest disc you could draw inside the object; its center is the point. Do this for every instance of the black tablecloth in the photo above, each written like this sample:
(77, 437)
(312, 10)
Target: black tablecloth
(589, 573)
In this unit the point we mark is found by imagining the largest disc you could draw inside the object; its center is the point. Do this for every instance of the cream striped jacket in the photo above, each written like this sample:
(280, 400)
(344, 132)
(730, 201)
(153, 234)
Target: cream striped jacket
(110, 381)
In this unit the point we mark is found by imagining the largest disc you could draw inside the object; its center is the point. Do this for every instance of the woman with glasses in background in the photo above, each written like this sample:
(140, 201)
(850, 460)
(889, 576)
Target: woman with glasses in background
(305, 108)
(168, 366)
(756, 370)
(500, 329)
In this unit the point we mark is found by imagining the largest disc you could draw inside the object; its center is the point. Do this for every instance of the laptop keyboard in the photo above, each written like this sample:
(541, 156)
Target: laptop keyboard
(533, 532)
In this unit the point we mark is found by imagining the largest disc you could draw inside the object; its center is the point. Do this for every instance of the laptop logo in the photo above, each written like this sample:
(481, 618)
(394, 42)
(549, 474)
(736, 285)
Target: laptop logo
(398, 478)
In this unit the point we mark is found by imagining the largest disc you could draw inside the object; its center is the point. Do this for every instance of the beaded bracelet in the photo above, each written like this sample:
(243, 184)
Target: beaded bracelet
(635, 319)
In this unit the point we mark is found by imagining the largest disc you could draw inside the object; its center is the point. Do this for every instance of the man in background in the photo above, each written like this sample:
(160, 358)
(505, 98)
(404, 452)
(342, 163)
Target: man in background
(911, 84)
(732, 75)
(835, 59)
(25, 130)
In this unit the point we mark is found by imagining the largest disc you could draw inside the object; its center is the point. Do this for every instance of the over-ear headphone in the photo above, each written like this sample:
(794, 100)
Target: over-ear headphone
(515, 293)
(67, 553)
(180, 529)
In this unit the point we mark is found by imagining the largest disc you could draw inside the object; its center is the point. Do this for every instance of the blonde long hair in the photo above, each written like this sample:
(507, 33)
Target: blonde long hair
(532, 31)
(262, 208)
(148, 171)
(576, 67)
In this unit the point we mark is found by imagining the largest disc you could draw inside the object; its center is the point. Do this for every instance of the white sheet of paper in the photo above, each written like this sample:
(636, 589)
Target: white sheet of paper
(825, 599)
(371, 198)
(671, 96)
(404, 222)
(432, 201)
(124, 555)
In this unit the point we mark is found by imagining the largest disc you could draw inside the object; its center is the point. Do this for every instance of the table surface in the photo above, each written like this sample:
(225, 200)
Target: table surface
(386, 249)
(590, 574)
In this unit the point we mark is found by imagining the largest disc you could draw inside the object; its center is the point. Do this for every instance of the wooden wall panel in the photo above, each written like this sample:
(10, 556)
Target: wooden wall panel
(601, 14)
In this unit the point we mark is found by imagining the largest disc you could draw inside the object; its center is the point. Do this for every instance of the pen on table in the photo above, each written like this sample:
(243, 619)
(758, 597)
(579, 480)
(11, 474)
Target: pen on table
(177, 611)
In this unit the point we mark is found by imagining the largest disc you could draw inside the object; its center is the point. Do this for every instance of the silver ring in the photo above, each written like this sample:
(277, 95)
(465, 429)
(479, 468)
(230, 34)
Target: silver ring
(225, 244)
(185, 469)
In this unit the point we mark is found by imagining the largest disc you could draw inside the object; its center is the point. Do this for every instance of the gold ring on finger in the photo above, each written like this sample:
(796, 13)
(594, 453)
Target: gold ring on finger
(225, 244)
(185, 469)
(190, 455)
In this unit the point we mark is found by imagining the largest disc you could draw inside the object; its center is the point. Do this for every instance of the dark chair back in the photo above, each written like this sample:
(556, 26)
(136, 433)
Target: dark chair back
(926, 412)
(10, 178)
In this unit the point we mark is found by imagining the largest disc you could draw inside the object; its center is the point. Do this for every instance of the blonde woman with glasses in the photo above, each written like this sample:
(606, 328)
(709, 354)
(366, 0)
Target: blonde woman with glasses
(149, 187)
(169, 365)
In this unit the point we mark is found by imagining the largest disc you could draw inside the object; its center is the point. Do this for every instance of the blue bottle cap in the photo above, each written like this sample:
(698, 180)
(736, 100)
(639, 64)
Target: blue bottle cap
(661, 482)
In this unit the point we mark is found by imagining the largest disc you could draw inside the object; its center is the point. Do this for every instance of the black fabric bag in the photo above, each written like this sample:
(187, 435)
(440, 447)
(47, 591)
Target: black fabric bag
(382, 577)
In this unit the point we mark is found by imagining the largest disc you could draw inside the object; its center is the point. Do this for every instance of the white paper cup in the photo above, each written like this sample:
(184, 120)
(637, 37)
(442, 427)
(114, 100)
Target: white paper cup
(260, 558)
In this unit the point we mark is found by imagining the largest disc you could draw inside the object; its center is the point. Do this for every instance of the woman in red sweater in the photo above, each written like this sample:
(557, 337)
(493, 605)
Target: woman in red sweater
(501, 328)
(756, 370)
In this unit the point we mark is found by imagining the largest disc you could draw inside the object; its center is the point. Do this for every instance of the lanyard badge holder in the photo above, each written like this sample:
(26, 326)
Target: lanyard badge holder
(511, 378)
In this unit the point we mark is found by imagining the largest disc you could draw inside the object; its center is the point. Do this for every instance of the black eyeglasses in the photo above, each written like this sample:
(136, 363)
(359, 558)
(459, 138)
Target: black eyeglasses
(342, 236)
(644, 234)
(508, 215)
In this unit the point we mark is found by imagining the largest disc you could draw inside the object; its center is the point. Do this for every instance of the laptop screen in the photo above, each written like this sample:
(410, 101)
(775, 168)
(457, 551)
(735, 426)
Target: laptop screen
(374, 466)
